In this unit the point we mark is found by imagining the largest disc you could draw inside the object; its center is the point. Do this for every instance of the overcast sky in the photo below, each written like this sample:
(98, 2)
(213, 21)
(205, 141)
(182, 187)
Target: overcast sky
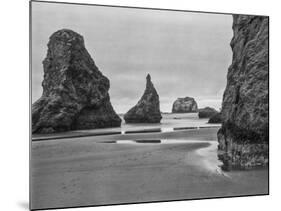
(186, 54)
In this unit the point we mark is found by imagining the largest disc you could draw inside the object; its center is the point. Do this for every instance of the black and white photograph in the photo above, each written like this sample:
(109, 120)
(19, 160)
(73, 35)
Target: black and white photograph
(136, 105)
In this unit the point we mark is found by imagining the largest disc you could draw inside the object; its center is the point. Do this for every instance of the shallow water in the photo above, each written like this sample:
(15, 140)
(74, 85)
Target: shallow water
(210, 159)
(158, 141)
(170, 121)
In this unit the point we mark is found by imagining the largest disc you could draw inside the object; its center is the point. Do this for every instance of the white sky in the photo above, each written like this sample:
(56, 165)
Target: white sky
(187, 54)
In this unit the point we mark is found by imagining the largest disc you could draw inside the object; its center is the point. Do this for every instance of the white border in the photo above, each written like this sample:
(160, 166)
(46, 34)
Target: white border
(14, 87)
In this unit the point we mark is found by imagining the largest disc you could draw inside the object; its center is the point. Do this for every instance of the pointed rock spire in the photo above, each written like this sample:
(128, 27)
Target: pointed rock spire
(148, 78)
(147, 110)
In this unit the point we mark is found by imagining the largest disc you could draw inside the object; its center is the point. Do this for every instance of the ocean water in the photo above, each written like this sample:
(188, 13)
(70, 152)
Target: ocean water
(170, 121)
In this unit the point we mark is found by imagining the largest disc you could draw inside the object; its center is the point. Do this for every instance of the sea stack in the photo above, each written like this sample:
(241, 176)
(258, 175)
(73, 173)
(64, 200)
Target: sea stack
(185, 105)
(147, 110)
(243, 137)
(215, 119)
(207, 112)
(75, 93)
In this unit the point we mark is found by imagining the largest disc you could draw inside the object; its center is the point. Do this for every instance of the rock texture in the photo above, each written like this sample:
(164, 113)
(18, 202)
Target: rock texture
(207, 112)
(75, 93)
(147, 109)
(216, 118)
(185, 105)
(243, 138)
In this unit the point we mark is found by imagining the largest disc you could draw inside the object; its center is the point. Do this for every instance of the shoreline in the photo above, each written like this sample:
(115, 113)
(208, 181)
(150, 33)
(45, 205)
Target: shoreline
(91, 133)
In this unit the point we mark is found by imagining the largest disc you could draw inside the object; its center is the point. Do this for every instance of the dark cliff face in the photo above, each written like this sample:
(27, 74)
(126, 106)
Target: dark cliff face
(147, 109)
(75, 93)
(185, 105)
(243, 138)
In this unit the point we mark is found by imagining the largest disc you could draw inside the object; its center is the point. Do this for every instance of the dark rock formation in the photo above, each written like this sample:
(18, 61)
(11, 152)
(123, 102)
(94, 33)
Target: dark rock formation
(147, 109)
(216, 118)
(75, 93)
(206, 112)
(211, 113)
(185, 105)
(243, 138)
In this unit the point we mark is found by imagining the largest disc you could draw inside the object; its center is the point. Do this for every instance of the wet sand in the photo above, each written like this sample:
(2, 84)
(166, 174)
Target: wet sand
(85, 171)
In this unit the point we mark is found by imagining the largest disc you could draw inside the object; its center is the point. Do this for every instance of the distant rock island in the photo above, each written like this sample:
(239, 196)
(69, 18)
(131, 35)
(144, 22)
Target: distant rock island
(206, 112)
(185, 105)
(243, 138)
(211, 113)
(147, 110)
(75, 93)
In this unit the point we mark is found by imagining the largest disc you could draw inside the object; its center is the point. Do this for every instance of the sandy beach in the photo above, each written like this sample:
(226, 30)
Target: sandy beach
(96, 171)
